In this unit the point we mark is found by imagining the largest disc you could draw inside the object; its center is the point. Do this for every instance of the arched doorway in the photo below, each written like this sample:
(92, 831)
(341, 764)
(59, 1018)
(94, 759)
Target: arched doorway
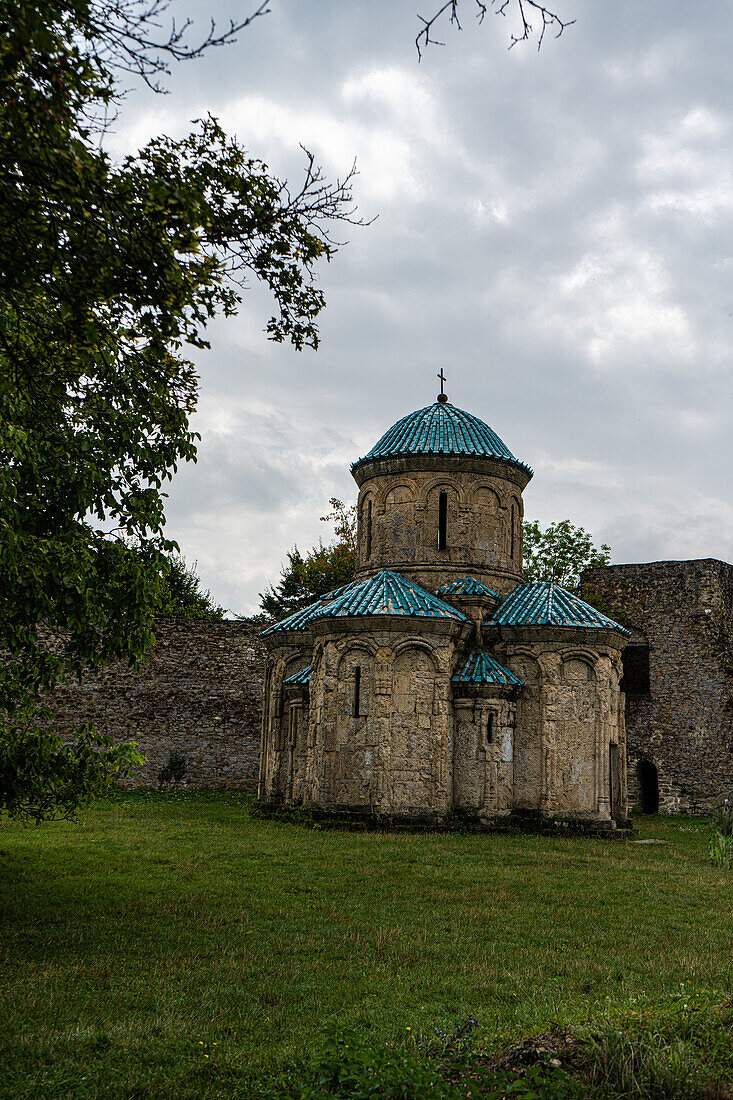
(648, 777)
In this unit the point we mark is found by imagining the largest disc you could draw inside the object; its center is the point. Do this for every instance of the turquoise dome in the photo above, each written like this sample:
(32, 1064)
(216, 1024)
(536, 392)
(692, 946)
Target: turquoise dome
(441, 429)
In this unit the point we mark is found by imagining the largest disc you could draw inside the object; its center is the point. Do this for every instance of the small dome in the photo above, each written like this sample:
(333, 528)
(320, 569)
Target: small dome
(441, 429)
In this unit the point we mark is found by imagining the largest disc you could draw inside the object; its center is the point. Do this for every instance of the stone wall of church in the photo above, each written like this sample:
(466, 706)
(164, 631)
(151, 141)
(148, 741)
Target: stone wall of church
(483, 753)
(380, 721)
(199, 694)
(569, 745)
(680, 720)
(283, 747)
(399, 520)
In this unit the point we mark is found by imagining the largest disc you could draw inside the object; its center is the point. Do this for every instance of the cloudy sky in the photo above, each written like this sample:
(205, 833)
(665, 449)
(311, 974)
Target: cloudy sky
(555, 230)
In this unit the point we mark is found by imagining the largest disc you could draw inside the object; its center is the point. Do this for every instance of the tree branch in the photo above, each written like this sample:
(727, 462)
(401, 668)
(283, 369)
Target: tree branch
(526, 9)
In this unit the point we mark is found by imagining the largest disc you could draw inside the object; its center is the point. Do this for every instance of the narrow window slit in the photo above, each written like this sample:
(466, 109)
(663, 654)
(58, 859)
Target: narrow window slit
(490, 728)
(357, 690)
(369, 529)
(443, 521)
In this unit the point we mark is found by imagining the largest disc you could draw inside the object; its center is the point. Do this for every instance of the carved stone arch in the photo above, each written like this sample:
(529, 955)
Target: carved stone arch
(294, 663)
(526, 659)
(522, 651)
(443, 483)
(416, 643)
(486, 494)
(365, 646)
(515, 516)
(579, 653)
(573, 665)
(402, 493)
(365, 517)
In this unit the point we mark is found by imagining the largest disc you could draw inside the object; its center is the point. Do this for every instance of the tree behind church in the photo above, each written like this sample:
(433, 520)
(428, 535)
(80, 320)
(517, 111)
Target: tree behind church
(305, 579)
(560, 553)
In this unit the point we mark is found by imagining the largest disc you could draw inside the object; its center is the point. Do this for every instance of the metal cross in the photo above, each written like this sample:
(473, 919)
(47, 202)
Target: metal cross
(442, 378)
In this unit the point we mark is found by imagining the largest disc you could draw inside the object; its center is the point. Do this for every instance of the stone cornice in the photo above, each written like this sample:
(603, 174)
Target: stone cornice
(440, 464)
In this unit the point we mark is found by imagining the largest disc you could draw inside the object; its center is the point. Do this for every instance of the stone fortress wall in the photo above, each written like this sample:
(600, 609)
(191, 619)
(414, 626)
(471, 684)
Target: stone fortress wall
(199, 694)
(678, 678)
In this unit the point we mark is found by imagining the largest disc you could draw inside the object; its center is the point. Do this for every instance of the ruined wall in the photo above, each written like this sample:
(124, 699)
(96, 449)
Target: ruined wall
(199, 694)
(683, 723)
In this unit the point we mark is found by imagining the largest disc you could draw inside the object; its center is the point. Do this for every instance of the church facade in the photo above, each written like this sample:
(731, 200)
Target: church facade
(438, 680)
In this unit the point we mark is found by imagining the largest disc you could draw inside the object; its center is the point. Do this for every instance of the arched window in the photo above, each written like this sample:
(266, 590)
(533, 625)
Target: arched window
(443, 521)
(512, 533)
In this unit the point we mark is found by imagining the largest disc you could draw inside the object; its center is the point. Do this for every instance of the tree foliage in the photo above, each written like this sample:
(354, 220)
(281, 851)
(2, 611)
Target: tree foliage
(181, 595)
(560, 553)
(108, 272)
(304, 579)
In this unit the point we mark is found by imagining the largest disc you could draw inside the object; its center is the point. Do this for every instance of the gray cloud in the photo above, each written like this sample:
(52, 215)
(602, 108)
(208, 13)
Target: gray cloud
(554, 230)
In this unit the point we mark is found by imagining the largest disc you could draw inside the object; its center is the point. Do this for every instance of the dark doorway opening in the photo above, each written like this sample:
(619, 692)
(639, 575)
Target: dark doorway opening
(635, 680)
(648, 777)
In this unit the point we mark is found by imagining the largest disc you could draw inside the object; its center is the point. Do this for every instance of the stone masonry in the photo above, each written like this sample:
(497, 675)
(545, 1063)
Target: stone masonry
(678, 677)
(199, 694)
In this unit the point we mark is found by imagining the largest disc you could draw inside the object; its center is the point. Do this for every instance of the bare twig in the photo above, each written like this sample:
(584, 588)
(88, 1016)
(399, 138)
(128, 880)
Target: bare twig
(123, 33)
(450, 11)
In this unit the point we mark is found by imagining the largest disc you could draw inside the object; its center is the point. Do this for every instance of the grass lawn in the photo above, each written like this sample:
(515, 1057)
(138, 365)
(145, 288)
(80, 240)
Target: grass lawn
(161, 922)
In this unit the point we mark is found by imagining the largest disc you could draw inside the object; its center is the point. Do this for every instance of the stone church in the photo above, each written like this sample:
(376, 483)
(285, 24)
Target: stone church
(438, 680)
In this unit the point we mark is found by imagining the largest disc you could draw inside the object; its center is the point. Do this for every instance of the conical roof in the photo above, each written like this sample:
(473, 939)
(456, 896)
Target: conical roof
(300, 619)
(547, 604)
(388, 593)
(481, 668)
(468, 586)
(441, 429)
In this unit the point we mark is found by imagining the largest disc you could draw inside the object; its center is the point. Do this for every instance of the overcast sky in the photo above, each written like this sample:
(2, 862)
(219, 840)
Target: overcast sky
(555, 230)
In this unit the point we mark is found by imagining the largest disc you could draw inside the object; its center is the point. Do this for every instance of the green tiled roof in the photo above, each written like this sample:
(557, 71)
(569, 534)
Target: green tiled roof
(388, 593)
(546, 603)
(297, 621)
(301, 677)
(441, 429)
(481, 668)
(468, 586)
(300, 620)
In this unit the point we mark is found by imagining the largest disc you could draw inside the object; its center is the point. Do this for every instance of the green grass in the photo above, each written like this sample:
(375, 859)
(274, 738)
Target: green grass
(160, 922)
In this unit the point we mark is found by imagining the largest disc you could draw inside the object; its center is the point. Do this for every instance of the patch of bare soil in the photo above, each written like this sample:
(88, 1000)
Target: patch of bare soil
(559, 1048)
